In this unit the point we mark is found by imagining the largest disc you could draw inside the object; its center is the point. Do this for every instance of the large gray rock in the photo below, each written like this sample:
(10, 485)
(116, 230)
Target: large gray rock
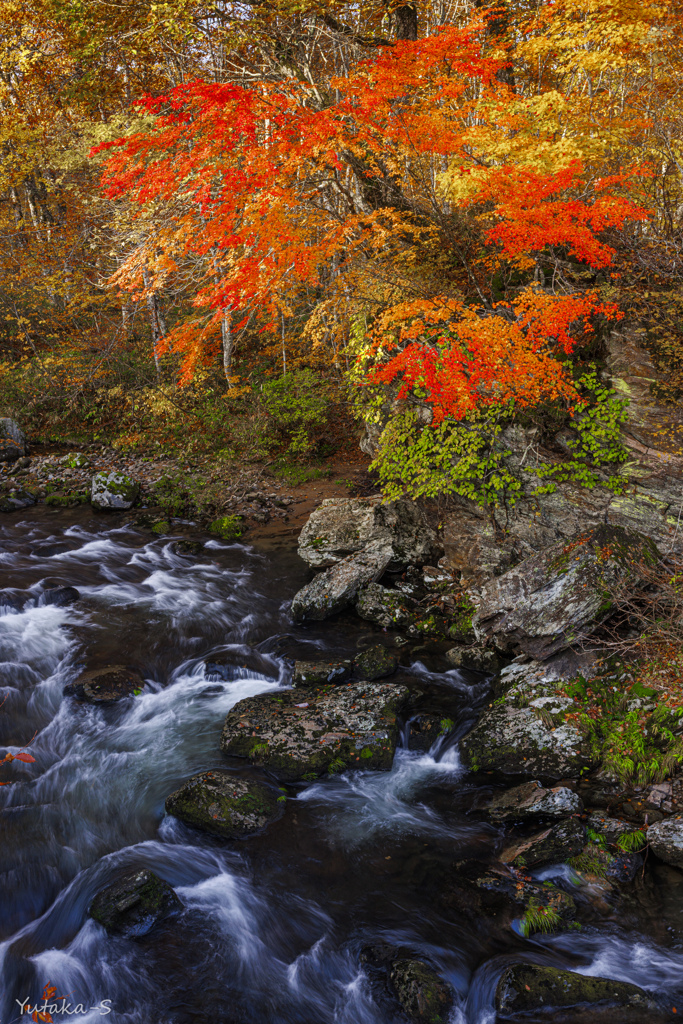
(303, 734)
(342, 526)
(666, 840)
(531, 800)
(525, 731)
(557, 597)
(113, 491)
(225, 804)
(12, 441)
(335, 588)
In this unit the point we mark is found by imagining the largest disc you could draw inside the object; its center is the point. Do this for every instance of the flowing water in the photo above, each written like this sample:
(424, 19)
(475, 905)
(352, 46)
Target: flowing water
(273, 925)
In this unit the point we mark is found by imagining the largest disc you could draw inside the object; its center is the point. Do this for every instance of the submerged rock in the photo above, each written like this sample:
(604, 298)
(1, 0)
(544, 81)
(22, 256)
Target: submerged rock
(337, 587)
(531, 800)
(524, 988)
(384, 607)
(12, 440)
(666, 841)
(552, 846)
(225, 804)
(134, 904)
(104, 685)
(424, 996)
(376, 662)
(321, 673)
(113, 491)
(343, 526)
(552, 599)
(353, 725)
(61, 597)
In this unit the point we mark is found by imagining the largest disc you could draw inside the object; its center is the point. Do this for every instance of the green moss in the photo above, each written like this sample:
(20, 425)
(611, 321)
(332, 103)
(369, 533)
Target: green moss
(162, 527)
(227, 527)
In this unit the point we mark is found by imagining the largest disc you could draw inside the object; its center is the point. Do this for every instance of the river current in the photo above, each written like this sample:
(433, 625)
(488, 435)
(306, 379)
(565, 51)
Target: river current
(273, 926)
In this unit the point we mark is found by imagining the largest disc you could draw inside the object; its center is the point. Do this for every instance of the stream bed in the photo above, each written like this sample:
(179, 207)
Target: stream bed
(273, 926)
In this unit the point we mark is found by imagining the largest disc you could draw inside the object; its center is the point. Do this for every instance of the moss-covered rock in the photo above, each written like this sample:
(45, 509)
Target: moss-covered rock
(134, 904)
(161, 527)
(524, 988)
(353, 725)
(479, 659)
(384, 607)
(376, 662)
(225, 804)
(113, 491)
(516, 740)
(13, 499)
(423, 995)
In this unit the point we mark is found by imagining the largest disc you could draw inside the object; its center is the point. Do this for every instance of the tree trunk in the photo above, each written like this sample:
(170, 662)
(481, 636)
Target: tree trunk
(228, 342)
(406, 21)
(156, 321)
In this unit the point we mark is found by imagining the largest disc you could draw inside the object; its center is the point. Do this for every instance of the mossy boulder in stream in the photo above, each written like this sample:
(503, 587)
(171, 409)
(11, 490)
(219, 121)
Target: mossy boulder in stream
(113, 491)
(225, 804)
(134, 904)
(524, 988)
(376, 662)
(424, 997)
(302, 735)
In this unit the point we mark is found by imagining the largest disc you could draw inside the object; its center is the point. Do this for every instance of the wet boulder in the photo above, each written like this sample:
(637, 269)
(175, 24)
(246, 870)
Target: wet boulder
(113, 491)
(12, 440)
(106, 685)
(666, 840)
(424, 997)
(225, 804)
(321, 673)
(554, 598)
(479, 659)
(344, 526)
(540, 907)
(525, 988)
(134, 904)
(349, 726)
(551, 846)
(531, 800)
(384, 607)
(335, 588)
(60, 597)
(376, 662)
(517, 740)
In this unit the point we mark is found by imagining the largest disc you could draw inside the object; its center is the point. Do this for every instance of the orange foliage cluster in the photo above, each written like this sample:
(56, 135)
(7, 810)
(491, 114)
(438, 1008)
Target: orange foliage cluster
(246, 173)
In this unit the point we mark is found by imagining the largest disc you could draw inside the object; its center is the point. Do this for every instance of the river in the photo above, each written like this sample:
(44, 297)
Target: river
(273, 926)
